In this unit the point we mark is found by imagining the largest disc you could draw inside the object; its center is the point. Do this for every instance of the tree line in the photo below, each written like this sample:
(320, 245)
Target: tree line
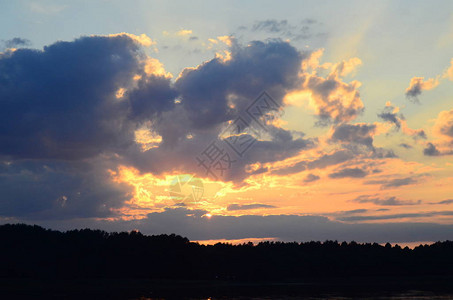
(34, 252)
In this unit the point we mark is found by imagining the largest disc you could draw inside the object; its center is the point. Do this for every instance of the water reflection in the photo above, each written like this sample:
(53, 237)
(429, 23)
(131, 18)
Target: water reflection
(406, 295)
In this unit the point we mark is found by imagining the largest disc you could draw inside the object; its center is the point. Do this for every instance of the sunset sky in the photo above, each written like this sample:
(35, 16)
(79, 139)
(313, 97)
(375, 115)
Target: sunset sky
(125, 115)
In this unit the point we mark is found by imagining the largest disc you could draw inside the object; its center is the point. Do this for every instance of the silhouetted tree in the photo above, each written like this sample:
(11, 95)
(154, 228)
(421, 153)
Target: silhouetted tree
(35, 252)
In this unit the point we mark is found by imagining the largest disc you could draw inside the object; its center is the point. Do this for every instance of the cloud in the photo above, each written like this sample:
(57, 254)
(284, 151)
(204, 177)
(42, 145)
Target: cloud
(386, 201)
(394, 216)
(419, 84)
(355, 211)
(390, 114)
(142, 39)
(74, 113)
(192, 224)
(334, 100)
(86, 73)
(215, 94)
(271, 25)
(323, 161)
(444, 124)
(349, 173)
(307, 29)
(447, 201)
(431, 150)
(94, 104)
(443, 129)
(406, 146)
(16, 42)
(334, 158)
(355, 133)
(184, 32)
(311, 178)
(449, 72)
(393, 183)
(235, 206)
(70, 112)
(43, 190)
(210, 90)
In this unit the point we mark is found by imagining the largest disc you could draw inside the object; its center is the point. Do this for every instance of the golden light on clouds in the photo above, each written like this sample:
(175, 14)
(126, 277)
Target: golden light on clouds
(153, 66)
(120, 93)
(184, 32)
(142, 39)
(228, 40)
(147, 139)
(154, 193)
(423, 84)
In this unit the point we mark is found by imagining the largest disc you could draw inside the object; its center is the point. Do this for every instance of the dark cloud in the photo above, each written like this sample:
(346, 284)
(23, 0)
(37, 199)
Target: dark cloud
(349, 173)
(407, 146)
(447, 201)
(334, 158)
(414, 91)
(64, 126)
(419, 84)
(311, 178)
(16, 42)
(355, 211)
(393, 183)
(355, 133)
(389, 115)
(235, 206)
(193, 38)
(394, 216)
(283, 227)
(209, 91)
(271, 25)
(62, 99)
(296, 168)
(38, 190)
(382, 153)
(322, 162)
(387, 201)
(220, 91)
(431, 150)
(283, 28)
(399, 182)
(327, 160)
(419, 134)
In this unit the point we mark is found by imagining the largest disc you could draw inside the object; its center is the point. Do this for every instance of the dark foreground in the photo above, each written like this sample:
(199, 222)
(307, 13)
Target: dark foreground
(87, 264)
(352, 288)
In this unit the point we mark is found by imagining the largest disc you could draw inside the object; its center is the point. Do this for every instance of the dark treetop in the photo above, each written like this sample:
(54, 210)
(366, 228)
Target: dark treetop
(34, 252)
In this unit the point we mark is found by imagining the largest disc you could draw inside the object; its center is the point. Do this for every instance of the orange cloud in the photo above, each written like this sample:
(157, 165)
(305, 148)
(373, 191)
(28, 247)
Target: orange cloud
(443, 130)
(142, 39)
(419, 84)
(184, 32)
(449, 72)
(332, 99)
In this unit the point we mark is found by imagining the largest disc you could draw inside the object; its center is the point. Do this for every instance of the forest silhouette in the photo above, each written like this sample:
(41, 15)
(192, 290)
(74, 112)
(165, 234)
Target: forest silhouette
(34, 252)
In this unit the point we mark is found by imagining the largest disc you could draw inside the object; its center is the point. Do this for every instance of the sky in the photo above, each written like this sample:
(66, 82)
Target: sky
(240, 120)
